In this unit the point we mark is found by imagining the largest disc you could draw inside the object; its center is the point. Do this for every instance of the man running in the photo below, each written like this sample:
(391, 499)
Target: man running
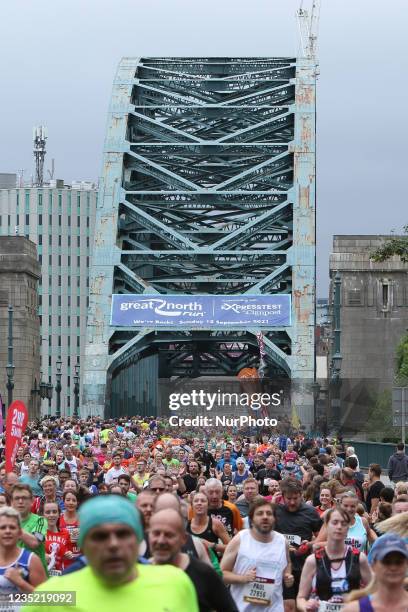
(110, 532)
(298, 522)
(256, 561)
(167, 536)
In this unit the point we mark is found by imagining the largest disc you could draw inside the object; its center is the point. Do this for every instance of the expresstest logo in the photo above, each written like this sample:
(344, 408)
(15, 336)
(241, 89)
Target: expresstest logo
(219, 400)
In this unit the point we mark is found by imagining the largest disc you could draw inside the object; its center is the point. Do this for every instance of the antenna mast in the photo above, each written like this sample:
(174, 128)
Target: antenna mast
(40, 137)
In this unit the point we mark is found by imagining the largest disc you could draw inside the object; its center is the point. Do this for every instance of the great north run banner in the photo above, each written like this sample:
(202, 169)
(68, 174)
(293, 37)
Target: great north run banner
(201, 311)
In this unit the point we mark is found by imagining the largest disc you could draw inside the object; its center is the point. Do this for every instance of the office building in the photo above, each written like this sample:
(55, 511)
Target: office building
(60, 221)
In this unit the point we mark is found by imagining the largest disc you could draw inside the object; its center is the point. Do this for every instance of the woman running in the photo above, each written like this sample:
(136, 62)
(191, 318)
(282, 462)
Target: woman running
(69, 521)
(57, 542)
(210, 530)
(20, 570)
(389, 558)
(334, 569)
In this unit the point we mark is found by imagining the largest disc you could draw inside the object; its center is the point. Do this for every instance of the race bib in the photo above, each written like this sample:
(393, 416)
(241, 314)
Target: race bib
(293, 539)
(327, 606)
(260, 591)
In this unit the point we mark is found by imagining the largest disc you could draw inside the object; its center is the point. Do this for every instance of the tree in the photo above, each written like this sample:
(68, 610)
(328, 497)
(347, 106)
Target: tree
(379, 422)
(402, 361)
(392, 246)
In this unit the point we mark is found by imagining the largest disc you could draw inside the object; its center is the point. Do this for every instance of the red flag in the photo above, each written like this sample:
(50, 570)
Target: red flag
(16, 423)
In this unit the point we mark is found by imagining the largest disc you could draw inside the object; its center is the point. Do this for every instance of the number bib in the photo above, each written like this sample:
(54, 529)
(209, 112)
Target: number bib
(293, 539)
(327, 606)
(260, 591)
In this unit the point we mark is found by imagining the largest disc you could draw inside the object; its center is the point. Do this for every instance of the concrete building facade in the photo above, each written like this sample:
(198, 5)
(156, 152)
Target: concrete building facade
(20, 273)
(60, 221)
(374, 308)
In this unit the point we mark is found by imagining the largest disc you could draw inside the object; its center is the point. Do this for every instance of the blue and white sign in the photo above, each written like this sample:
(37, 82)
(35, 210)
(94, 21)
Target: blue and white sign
(201, 311)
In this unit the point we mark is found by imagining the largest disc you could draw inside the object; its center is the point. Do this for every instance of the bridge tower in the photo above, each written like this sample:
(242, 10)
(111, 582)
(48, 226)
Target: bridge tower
(208, 187)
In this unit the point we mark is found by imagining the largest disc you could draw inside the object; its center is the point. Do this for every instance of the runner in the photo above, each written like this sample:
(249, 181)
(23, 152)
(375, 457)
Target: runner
(359, 533)
(109, 535)
(334, 569)
(220, 509)
(256, 561)
(210, 530)
(389, 558)
(20, 570)
(57, 544)
(299, 522)
(166, 538)
(69, 520)
(326, 500)
(33, 527)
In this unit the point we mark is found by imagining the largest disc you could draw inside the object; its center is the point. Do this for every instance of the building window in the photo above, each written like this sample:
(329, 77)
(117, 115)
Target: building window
(87, 262)
(50, 300)
(59, 341)
(69, 300)
(50, 240)
(49, 361)
(50, 340)
(59, 260)
(69, 241)
(87, 222)
(69, 361)
(78, 322)
(69, 261)
(59, 320)
(78, 341)
(39, 219)
(27, 219)
(27, 200)
(59, 280)
(59, 220)
(78, 261)
(39, 239)
(50, 220)
(40, 196)
(78, 241)
(50, 263)
(69, 220)
(68, 382)
(385, 296)
(49, 321)
(40, 300)
(68, 401)
(78, 301)
(78, 281)
(69, 321)
(59, 300)
(69, 341)
(78, 221)
(69, 281)
(40, 260)
(60, 240)
(50, 199)
(59, 200)
(17, 220)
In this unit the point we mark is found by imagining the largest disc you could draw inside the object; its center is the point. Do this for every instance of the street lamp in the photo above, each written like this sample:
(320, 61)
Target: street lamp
(10, 362)
(76, 390)
(44, 390)
(337, 358)
(58, 388)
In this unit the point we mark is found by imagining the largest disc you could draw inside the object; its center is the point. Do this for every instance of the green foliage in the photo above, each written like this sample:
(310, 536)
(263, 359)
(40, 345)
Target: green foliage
(392, 246)
(379, 423)
(402, 361)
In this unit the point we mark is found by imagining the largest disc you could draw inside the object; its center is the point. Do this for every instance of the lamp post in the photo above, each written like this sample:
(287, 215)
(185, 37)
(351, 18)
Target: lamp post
(10, 362)
(44, 390)
(316, 395)
(76, 390)
(336, 357)
(58, 388)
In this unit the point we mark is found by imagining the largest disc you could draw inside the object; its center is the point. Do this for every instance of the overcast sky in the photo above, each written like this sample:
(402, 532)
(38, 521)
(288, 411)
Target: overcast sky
(58, 59)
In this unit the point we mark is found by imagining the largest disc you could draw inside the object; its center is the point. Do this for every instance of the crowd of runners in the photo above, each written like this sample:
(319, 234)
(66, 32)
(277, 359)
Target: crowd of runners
(130, 513)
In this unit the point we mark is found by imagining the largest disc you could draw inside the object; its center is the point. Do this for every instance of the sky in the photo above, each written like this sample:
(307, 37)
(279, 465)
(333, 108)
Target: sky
(58, 59)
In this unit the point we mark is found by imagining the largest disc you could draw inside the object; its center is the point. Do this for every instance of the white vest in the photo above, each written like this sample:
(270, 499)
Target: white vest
(264, 594)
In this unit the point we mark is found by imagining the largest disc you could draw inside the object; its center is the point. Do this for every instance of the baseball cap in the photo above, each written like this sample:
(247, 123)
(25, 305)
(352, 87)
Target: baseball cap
(385, 544)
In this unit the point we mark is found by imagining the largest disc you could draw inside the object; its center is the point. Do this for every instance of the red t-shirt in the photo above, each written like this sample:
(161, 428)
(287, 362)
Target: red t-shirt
(57, 544)
(72, 529)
